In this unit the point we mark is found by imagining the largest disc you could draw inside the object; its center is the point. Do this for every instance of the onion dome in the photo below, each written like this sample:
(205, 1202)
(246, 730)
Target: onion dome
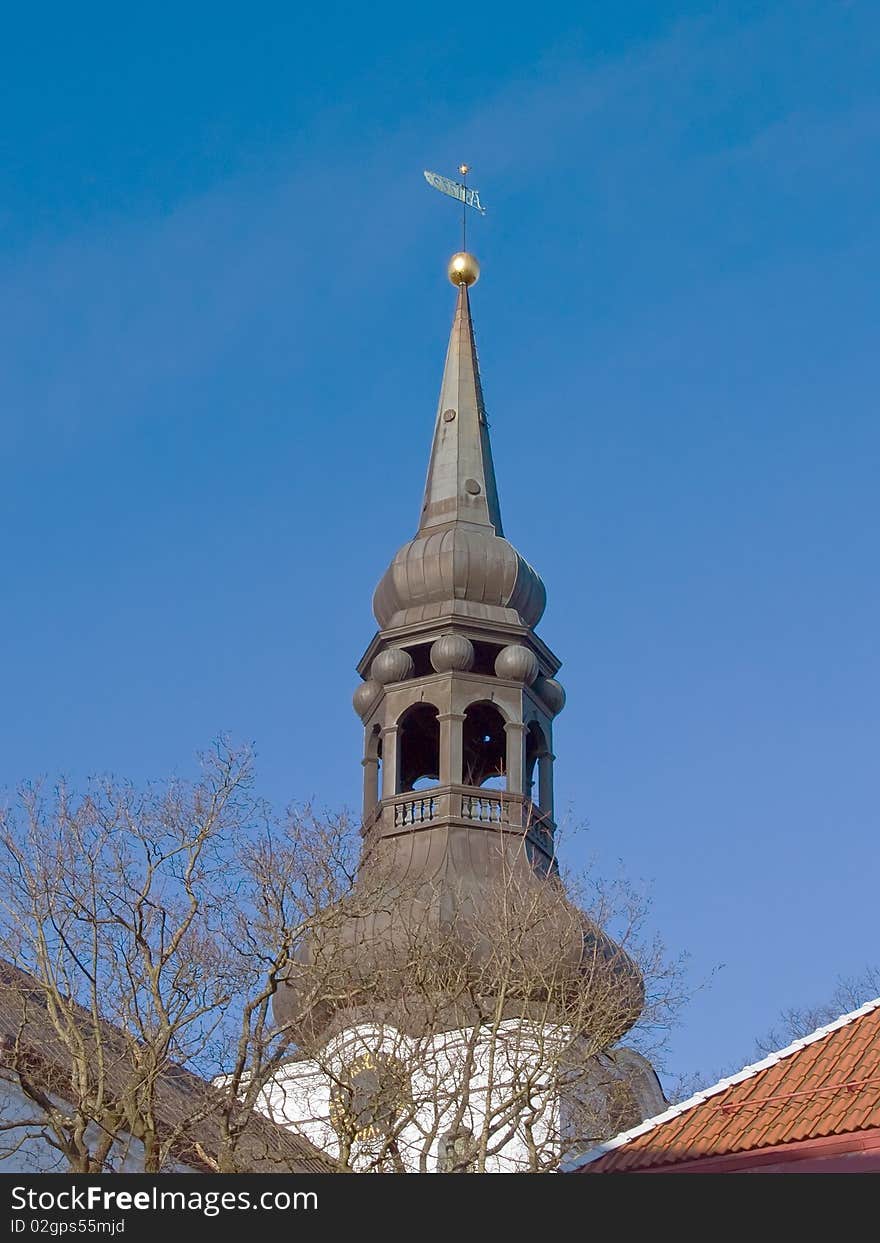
(365, 696)
(518, 663)
(452, 651)
(392, 665)
(459, 571)
(552, 693)
(478, 912)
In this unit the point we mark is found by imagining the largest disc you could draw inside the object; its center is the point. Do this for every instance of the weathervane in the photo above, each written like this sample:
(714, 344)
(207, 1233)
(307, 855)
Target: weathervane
(466, 195)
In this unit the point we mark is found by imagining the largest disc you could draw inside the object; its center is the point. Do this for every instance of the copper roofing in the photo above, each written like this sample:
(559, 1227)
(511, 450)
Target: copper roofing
(826, 1084)
(460, 570)
(460, 486)
(434, 896)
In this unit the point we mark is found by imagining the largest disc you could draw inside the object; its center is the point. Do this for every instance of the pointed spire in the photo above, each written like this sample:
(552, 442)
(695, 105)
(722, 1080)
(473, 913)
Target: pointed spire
(461, 487)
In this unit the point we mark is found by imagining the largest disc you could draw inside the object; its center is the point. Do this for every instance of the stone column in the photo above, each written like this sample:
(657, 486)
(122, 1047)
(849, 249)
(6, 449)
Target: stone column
(371, 782)
(390, 761)
(451, 741)
(515, 731)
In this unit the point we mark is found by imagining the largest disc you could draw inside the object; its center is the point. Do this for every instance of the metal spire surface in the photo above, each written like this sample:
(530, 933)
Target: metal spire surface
(461, 487)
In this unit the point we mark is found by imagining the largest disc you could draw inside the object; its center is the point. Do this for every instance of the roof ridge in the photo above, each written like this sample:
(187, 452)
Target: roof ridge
(675, 1111)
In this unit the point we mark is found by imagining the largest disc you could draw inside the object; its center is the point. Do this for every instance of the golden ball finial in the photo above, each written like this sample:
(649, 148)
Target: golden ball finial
(463, 269)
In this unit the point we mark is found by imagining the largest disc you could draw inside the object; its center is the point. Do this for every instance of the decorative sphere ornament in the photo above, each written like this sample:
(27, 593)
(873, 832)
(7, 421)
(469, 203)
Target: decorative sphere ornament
(552, 693)
(365, 696)
(463, 269)
(452, 652)
(518, 663)
(392, 665)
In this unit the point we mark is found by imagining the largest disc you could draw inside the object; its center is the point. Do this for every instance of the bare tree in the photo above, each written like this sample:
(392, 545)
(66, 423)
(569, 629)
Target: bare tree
(155, 936)
(794, 1022)
(113, 975)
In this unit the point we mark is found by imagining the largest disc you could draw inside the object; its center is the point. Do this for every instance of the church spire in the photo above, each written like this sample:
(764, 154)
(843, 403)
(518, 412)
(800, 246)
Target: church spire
(460, 487)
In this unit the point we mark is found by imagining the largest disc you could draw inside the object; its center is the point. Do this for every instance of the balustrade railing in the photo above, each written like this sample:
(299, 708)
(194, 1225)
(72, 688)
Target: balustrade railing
(414, 811)
(500, 808)
(484, 809)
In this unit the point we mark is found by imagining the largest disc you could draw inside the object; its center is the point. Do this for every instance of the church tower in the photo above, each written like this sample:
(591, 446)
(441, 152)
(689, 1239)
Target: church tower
(459, 693)
(456, 948)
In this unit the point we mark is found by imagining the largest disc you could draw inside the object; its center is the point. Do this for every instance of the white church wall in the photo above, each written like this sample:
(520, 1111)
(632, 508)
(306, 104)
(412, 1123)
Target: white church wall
(300, 1095)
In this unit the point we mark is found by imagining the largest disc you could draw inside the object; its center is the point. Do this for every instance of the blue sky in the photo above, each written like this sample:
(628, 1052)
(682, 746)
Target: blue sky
(224, 314)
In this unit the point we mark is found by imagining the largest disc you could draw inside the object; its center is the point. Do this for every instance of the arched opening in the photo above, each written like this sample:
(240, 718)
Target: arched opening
(484, 747)
(418, 741)
(537, 759)
(372, 768)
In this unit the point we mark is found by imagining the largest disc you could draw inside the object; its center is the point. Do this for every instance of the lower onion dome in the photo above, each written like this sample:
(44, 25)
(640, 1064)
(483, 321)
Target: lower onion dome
(419, 940)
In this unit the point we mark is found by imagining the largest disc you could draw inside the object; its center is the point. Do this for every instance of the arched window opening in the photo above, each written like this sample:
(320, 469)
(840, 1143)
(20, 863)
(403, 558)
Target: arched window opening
(455, 1152)
(537, 752)
(484, 747)
(418, 736)
(372, 768)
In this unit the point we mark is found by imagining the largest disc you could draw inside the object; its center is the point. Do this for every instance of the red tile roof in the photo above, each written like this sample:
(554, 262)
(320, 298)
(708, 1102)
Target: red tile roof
(826, 1084)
